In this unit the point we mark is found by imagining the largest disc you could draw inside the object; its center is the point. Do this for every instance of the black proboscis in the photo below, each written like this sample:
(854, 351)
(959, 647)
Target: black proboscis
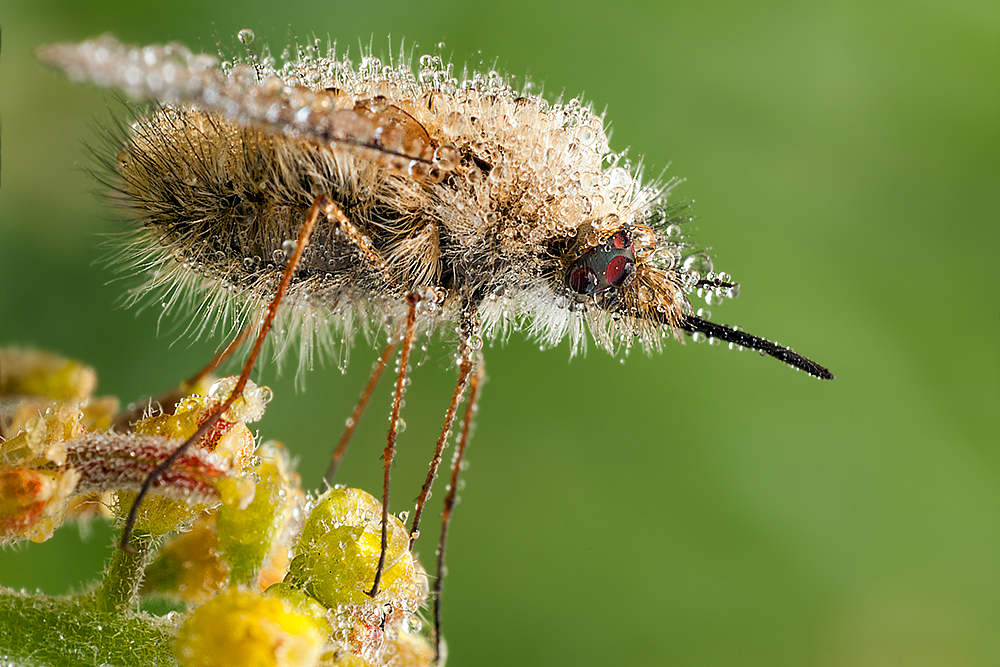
(693, 324)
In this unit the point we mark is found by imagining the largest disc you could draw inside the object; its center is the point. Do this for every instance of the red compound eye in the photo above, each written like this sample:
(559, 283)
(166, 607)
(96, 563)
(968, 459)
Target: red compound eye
(582, 280)
(620, 269)
(621, 240)
(610, 265)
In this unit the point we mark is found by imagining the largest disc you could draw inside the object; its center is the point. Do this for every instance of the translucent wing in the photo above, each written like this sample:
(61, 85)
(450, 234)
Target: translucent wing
(249, 95)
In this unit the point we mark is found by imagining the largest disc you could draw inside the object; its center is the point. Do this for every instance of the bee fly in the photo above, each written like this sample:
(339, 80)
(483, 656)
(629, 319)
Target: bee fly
(371, 198)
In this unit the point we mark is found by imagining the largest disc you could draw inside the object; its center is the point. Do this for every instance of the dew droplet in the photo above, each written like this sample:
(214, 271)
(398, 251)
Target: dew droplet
(417, 169)
(245, 36)
(456, 124)
(699, 262)
(446, 158)
(619, 179)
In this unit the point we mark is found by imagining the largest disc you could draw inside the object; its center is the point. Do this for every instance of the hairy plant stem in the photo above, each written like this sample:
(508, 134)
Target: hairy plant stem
(120, 587)
(37, 630)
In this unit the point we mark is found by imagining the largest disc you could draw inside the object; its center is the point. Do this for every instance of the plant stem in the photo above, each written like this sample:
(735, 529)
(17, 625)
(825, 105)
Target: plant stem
(39, 630)
(121, 583)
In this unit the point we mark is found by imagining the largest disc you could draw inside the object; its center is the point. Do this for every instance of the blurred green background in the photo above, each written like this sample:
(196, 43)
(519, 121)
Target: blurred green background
(699, 507)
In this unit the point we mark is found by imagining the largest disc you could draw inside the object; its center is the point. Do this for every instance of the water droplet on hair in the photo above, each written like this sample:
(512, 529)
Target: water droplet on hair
(446, 157)
(245, 36)
(417, 169)
(456, 124)
(699, 262)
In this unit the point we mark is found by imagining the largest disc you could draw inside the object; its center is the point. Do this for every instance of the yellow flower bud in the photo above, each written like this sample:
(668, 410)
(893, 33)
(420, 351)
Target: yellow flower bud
(33, 502)
(249, 630)
(188, 566)
(339, 550)
(257, 537)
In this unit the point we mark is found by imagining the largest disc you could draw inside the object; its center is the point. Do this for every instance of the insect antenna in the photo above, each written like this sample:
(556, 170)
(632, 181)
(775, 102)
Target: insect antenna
(449, 501)
(693, 324)
(359, 410)
(321, 205)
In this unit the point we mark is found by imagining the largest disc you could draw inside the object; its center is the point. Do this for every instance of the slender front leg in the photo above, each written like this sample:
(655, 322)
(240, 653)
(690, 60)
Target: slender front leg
(322, 205)
(217, 359)
(125, 419)
(390, 448)
(359, 410)
(465, 367)
(450, 499)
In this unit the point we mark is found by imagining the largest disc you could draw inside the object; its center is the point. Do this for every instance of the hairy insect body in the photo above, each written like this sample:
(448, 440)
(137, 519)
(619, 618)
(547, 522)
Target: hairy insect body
(485, 194)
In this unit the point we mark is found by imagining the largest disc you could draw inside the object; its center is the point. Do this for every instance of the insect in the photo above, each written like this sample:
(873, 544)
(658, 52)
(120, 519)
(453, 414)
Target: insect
(342, 198)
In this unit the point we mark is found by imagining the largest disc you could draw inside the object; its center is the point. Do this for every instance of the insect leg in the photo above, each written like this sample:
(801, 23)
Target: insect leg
(125, 419)
(465, 366)
(351, 233)
(322, 205)
(449, 501)
(217, 359)
(359, 410)
(390, 448)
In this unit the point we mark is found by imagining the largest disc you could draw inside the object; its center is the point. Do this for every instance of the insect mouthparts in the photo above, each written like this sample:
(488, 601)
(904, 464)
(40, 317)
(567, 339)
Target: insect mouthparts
(693, 324)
